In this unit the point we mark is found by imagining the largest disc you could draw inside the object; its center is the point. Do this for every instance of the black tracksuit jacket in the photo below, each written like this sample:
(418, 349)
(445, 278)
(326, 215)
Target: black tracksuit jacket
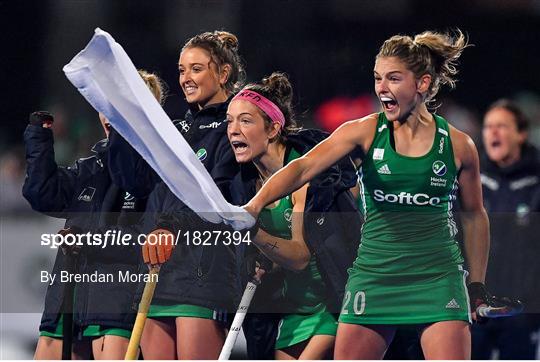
(84, 195)
(200, 275)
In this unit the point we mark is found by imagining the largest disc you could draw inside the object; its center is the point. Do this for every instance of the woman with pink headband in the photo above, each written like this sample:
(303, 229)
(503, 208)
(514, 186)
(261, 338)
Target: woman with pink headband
(264, 137)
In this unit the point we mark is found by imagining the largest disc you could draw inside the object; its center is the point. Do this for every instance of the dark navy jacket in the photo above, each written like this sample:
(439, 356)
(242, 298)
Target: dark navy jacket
(204, 130)
(512, 200)
(199, 275)
(84, 195)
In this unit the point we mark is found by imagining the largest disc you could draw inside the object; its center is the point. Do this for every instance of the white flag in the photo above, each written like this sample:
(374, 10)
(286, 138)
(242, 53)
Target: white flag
(104, 74)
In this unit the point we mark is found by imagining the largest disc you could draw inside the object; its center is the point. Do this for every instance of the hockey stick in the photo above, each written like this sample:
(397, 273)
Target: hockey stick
(236, 325)
(500, 307)
(144, 305)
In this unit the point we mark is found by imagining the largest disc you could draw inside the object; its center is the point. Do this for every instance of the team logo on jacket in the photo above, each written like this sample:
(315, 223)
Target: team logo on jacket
(439, 168)
(201, 154)
(87, 194)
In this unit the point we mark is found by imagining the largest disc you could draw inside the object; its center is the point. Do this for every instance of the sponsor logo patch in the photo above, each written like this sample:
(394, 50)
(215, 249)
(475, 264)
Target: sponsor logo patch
(384, 170)
(406, 198)
(453, 304)
(211, 125)
(129, 204)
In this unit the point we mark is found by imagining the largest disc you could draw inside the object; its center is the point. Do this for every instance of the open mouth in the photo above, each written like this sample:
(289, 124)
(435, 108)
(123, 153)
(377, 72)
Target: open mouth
(495, 144)
(389, 104)
(239, 146)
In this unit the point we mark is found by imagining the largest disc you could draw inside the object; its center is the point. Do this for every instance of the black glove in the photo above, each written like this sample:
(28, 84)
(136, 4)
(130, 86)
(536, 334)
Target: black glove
(40, 118)
(256, 260)
(479, 295)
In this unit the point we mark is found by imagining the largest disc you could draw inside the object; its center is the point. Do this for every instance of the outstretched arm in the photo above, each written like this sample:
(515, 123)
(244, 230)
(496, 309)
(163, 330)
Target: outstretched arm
(325, 154)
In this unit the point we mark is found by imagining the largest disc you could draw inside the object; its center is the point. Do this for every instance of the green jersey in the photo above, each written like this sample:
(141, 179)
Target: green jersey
(409, 265)
(407, 201)
(304, 291)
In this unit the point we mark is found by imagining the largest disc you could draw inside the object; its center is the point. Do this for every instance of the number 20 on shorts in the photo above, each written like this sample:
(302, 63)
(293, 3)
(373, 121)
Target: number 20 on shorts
(358, 305)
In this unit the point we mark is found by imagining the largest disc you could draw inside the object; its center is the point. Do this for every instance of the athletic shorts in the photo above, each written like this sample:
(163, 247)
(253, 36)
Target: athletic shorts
(91, 331)
(405, 298)
(296, 328)
(185, 310)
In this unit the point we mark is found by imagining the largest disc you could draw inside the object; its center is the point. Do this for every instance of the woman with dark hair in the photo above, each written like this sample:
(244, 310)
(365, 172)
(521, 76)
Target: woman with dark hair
(510, 174)
(263, 134)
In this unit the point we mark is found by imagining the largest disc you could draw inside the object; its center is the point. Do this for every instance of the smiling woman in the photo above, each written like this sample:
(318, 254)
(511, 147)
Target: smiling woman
(210, 71)
(187, 318)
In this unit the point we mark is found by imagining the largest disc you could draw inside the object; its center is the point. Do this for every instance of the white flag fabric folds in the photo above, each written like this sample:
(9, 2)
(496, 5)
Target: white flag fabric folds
(104, 74)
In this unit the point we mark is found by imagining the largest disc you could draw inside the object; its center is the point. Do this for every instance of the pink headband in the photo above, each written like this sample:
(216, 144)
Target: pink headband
(266, 105)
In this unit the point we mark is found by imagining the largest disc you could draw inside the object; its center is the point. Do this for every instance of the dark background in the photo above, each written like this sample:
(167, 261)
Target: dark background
(327, 48)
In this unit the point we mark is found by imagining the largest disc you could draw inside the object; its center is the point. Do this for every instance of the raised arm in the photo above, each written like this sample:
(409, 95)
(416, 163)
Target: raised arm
(47, 187)
(325, 154)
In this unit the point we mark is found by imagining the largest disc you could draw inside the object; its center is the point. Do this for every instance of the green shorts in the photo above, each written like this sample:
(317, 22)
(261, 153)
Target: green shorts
(409, 297)
(91, 331)
(180, 310)
(296, 328)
